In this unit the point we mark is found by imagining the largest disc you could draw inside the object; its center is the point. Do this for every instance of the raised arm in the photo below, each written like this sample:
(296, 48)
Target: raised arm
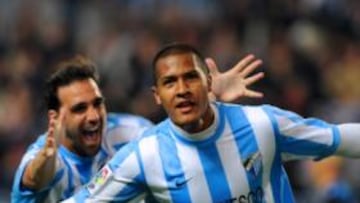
(233, 84)
(41, 170)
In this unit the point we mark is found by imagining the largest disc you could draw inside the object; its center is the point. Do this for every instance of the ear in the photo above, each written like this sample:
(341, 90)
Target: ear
(156, 95)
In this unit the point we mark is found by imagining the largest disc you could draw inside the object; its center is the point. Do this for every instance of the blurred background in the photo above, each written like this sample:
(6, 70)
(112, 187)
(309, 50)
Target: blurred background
(310, 50)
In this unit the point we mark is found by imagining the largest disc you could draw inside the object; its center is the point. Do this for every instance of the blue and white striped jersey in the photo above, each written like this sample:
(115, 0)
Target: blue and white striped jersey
(237, 159)
(72, 171)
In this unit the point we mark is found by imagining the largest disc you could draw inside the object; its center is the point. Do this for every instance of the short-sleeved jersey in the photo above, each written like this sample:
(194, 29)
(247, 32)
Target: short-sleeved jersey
(237, 159)
(72, 170)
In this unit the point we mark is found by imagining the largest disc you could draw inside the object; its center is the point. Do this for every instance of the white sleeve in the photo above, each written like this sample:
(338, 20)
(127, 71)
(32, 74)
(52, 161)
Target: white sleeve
(349, 140)
(302, 138)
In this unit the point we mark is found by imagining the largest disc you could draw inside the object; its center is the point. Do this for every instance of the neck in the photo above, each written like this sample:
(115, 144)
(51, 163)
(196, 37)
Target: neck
(202, 123)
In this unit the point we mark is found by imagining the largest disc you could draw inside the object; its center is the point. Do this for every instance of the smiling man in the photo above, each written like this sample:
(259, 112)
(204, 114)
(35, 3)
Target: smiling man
(81, 136)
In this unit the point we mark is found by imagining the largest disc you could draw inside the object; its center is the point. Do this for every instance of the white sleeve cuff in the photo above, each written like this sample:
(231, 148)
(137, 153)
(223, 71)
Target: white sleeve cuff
(349, 140)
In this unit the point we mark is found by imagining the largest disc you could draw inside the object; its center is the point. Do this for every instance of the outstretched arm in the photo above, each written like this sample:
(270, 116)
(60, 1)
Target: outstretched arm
(41, 170)
(233, 84)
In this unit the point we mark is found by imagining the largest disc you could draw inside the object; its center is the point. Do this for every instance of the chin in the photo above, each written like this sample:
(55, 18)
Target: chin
(187, 121)
(92, 151)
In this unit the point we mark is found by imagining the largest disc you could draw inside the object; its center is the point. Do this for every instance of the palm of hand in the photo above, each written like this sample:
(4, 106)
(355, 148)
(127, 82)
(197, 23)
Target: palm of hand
(233, 84)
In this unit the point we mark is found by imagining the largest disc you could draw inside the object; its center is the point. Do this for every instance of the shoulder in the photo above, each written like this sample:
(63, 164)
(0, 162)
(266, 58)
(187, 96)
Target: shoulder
(232, 106)
(160, 128)
(248, 110)
(35, 146)
(126, 120)
(149, 141)
(123, 128)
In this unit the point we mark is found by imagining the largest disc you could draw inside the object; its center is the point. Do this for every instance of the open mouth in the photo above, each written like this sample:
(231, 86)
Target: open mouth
(185, 106)
(91, 136)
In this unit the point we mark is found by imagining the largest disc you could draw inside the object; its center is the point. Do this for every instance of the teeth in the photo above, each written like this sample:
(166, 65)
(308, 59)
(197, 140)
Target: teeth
(90, 136)
(94, 130)
(91, 133)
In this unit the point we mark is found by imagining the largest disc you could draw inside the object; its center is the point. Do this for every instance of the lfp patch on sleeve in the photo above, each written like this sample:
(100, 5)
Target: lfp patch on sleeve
(100, 179)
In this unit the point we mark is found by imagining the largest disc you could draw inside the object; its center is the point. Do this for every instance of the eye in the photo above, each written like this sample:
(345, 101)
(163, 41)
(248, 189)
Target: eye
(79, 108)
(168, 82)
(99, 102)
(192, 75)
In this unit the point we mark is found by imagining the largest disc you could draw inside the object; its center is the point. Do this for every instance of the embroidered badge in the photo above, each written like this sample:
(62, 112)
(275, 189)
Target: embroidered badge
(99, 179)
(253, 163)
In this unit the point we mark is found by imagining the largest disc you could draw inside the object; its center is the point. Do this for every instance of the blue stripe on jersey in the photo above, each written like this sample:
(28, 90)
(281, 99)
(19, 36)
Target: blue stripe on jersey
(215, 174)
(277, 111)
(128, 192)
(118, 146)
(334, 146)
(316, 122)
(336, 138)
(209, 156)
(286, 192)
(118, 158)
(173, 169)
(247, 146)
(277, 177)
(305, 147)
(86, 171)
(70, 188)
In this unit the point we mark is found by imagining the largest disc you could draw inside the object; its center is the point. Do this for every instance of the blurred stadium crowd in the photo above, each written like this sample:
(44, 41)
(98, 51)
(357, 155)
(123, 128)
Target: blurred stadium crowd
(310, 50)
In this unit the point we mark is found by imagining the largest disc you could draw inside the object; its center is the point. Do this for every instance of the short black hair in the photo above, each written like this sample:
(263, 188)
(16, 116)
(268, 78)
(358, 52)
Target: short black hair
(70, 70)
(178, 48)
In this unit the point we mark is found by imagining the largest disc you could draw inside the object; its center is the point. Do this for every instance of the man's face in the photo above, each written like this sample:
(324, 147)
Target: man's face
(85, 116)
(182, 88)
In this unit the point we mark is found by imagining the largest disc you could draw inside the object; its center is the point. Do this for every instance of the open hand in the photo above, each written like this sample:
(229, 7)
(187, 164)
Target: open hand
(233, 84)
(55, 131)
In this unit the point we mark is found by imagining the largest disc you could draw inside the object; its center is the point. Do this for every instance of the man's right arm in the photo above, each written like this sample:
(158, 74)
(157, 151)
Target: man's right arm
(40, 171)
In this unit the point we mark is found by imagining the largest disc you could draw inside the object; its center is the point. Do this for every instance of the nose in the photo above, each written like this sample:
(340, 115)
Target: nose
(182, 88)
(93, 115)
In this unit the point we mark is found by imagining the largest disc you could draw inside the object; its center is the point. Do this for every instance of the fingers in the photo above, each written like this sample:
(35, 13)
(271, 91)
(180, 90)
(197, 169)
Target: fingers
(212, 66)
(55, 128)
(254, 78)
(254, 94)
(59, 127)
(50, 143)
(246, 65)
(251, 67)
(52, 123)
(243, 63)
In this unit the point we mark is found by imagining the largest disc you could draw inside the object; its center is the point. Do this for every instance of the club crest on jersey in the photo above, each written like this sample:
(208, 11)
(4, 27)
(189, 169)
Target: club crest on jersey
(99, 179)
(253, 163)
